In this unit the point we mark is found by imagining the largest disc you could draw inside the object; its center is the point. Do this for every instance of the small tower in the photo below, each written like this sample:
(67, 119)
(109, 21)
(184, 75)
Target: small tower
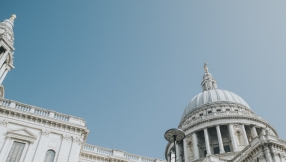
(6, 49)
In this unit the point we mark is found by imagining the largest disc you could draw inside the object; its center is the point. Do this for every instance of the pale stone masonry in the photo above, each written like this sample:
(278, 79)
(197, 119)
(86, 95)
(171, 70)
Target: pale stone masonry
(33, 134)
(219, 126)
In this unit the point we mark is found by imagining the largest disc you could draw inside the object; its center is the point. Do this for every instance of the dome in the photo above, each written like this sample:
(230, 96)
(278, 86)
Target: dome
(213, 96)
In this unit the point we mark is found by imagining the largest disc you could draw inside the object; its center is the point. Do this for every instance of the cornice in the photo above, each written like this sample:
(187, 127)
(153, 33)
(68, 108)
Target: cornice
(42, 120)
(91, 156)
(215, 105)
(229, 117)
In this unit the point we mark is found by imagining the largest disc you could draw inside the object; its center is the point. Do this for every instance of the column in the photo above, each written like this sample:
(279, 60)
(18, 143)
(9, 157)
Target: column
(41, 148)
(244, 135)
(75, 149)
(232, 136)
(195, 146)
(3, 58)
(3, 76)
(5, 148)
(207, 141)
(253, 131)
(186, 150)
(3, 68)
(29, 151)
(221, 149)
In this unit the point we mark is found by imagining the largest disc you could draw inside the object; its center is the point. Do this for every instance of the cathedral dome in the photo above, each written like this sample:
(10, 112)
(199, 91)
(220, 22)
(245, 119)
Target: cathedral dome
(213, 96)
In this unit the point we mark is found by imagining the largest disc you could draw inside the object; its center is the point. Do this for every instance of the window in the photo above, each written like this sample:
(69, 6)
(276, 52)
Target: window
(50, 156)
(15, 152)
(209, 112)
(236, 110)
(227, 110)
(226, 148)
(216, 150)
(201, 114)
(218, 110)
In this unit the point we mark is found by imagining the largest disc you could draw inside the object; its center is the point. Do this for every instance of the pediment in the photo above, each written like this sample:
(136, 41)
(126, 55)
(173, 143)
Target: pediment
(23, 134)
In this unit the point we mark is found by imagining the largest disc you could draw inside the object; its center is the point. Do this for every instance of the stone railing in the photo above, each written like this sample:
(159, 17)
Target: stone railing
(41, 112)
(117, 153)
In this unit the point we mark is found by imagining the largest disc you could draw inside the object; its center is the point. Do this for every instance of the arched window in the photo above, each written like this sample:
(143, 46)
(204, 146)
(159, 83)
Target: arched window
(50, 156)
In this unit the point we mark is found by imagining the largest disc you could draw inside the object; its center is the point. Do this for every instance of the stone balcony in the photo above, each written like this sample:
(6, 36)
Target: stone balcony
(37, 111)
(91, 152)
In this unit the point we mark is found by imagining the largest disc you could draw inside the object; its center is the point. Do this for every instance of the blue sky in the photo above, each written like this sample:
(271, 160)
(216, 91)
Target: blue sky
(130, 67)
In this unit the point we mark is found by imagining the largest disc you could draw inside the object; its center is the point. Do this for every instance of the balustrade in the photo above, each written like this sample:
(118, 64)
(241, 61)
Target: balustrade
(88, 147)
(147, 160)
(39, 111)
(106, 151)
(23, 107)
(131, 157)
(61, 117)
(6, 103)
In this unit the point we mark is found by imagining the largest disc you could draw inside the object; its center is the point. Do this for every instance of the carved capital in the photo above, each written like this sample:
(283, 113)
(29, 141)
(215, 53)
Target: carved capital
(46, 132)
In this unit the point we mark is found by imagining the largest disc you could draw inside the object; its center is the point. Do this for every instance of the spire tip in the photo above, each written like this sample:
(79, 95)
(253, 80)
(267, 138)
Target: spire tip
(13, 17)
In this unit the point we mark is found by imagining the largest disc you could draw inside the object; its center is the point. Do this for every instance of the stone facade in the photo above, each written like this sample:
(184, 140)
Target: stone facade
(220, 126)
(33, 134)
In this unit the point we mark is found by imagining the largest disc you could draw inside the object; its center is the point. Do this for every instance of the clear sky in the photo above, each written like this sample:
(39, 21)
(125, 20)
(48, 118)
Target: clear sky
(130, 67)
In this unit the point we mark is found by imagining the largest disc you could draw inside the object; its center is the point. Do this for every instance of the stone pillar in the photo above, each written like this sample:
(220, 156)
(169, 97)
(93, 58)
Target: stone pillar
(195, 146)
(244, 135)
(41, 148)
(268, 154)
(75, 149)
(207, 141)
(253, 131)
(232, 136)
(3, 68)
(5, 149)
(219, 140)
(3, 76)
(3, 58)
(29, 151)
(186, 150)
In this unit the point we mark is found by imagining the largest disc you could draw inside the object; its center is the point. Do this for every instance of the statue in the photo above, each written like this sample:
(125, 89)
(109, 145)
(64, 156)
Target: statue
(206, 67)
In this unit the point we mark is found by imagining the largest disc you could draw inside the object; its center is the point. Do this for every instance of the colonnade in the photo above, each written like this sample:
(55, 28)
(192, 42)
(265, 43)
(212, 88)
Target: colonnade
(220, 141)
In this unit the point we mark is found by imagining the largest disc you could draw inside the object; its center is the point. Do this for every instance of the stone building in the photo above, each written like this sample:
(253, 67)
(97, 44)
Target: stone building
(218, 124)
(33, 134)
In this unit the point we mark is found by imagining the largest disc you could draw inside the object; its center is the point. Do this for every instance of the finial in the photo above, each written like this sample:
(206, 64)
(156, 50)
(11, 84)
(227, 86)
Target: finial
(208, 82)
(206, 67)
(13, 17)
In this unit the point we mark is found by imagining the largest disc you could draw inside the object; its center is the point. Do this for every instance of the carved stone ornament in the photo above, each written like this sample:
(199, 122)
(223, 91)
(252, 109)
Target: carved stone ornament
(46, 132)
(67, 137)
(3, 123)
(77, 140)
(23, 134)
(236, 126)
